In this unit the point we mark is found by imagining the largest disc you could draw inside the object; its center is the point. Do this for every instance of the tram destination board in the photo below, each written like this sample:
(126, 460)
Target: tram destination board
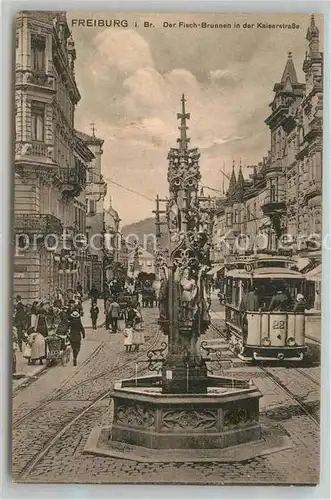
(167, 271)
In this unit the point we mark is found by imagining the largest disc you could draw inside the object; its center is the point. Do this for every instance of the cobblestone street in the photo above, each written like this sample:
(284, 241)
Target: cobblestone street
(48, 443)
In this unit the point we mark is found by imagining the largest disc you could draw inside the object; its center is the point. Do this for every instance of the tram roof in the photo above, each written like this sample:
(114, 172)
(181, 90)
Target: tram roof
(267, 273)
(261, 257)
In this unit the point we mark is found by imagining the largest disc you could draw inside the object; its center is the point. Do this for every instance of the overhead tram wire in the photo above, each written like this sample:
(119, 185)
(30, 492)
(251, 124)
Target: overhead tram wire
(130, 190)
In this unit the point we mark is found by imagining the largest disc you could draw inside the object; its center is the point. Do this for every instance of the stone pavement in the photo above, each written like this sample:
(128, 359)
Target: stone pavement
(76, 388)
(44, 407)
(27, 373)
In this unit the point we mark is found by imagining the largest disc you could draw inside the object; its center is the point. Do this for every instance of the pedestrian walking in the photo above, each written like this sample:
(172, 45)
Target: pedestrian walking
(41, 322)
(19, 320)
(76, 333)
(94, 295)
(15, 348)
(107, 312)
(94, 312)
(114, 312)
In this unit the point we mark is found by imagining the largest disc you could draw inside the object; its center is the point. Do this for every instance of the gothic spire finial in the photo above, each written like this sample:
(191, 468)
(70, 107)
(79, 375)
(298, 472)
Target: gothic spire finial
(93, 128)
(313, 36)
(183, 116)
(289, 72)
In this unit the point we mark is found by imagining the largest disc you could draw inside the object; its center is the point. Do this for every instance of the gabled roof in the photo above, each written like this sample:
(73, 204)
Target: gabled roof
(144, 252)
(289, 72)
(89, 139)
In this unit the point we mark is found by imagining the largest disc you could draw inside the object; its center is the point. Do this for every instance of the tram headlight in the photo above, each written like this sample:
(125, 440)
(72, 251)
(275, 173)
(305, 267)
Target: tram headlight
(290, 341)
(266, 341)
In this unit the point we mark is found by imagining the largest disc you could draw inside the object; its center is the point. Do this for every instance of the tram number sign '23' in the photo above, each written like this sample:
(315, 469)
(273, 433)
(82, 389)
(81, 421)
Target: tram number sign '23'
(278, 325)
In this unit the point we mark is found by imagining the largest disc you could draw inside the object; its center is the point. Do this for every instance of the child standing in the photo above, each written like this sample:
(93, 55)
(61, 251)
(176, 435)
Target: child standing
(128, 336)
(94, 315)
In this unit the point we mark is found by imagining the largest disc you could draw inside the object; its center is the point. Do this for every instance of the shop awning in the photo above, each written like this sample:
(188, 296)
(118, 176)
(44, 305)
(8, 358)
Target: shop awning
(315, 274)
(215, 269)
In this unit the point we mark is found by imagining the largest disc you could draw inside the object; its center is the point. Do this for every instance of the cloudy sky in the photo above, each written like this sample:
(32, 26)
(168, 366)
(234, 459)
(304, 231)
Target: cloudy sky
(131, 81)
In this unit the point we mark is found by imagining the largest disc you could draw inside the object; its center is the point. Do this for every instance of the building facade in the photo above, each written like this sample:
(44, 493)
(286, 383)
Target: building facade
(140, 261)
(49, 171)
(280, 205)
(96, 190)
(112, 242)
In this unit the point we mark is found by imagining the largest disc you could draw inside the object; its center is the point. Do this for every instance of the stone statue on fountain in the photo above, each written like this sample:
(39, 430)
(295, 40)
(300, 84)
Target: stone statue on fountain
(183, 301)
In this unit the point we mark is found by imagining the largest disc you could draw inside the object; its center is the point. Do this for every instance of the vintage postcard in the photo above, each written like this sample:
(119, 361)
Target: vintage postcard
(168, 242)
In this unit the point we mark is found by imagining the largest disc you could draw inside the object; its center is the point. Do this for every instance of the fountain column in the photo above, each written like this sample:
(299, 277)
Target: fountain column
(186, 302)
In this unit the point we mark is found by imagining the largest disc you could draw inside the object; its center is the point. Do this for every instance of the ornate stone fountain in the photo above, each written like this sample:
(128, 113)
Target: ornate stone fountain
(182, 413)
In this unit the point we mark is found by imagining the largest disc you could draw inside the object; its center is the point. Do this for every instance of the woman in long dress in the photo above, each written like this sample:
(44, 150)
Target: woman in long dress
(37, 344)
(41, 322)
(33, 314)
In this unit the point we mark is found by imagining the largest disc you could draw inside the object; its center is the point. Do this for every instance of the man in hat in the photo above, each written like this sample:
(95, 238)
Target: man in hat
(76, 333)
(279, 301)
(300, 304)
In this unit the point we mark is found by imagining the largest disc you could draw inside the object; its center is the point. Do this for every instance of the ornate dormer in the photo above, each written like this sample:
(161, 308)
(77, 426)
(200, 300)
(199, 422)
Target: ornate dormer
(289, 92)
(240, 185)
(232, 185)
(313, 63)
(313, 38)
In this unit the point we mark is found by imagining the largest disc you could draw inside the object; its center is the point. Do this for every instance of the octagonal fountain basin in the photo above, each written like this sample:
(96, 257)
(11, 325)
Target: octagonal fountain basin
(149, 426)
(228, 414)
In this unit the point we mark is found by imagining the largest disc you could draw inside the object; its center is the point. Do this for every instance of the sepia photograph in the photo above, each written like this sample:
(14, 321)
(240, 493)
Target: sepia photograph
(167, 248)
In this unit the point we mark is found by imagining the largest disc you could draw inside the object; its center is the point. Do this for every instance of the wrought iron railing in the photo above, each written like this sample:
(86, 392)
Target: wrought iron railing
(37, 223)
(75, 176)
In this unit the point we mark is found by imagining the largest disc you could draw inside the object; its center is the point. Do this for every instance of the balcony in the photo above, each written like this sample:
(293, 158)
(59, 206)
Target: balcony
(315, 129)
(35, 149)
(314, 189)
(41, 79)
(37, 224)
(74, 180)
(273, 206)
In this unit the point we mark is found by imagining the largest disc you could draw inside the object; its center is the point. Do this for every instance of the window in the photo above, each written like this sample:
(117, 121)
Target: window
(38, 46)
(38, 121)
(274, 190)
(236, 216)
(93, 206)
(229, 219)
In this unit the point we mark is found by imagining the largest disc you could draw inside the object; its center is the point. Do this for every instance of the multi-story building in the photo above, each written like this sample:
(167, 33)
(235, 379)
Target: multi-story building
(82, 153)
(141, 261)
(283, 194)
(49, 169)
(96, 190)
(112, 242)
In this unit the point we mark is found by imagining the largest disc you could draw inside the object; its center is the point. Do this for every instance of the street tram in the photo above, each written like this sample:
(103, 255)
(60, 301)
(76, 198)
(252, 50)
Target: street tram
(261, 334)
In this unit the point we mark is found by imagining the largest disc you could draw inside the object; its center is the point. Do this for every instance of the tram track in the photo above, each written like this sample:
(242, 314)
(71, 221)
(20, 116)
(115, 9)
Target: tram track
(58, 395)
(120, 370)
(304, 407)
(54, 395)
